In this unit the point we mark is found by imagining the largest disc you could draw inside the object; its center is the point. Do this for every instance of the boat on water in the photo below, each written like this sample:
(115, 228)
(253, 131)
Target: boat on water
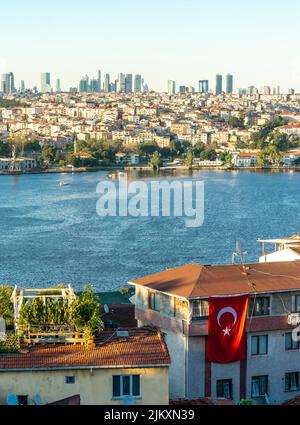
(117, 175)
(62, 183)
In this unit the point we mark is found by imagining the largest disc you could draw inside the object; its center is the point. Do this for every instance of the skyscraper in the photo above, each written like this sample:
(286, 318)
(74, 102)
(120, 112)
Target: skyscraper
(45, 82)
(84, 84)
(57, 86)
(94, 85)
(22, 87)
(128, 83)
(120, 85)
(106, 83)
(138, 83)
(219, 84)
(99, 81)
(203, 86)
(229, 84)
(8, 83)
(171, 87)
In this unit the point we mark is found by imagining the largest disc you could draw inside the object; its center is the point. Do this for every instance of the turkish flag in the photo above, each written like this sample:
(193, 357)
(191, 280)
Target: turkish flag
(226, 329)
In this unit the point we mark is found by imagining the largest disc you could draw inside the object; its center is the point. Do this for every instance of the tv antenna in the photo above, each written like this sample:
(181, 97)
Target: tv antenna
(239, 253)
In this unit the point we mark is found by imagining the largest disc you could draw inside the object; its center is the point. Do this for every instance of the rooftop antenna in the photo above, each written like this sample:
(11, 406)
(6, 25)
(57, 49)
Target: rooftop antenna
(239, 253)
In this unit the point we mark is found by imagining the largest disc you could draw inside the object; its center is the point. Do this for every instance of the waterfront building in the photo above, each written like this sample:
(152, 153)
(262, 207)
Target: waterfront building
(176, 302)
(45, 82)
(203, 86)
(171, 87)
(229, 84)
(219, 84)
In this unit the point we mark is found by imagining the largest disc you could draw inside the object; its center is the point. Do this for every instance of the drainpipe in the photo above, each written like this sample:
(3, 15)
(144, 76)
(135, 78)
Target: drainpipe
(188, 321)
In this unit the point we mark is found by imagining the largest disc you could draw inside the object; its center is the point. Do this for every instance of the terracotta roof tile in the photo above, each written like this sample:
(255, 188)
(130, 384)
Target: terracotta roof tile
(143, 346)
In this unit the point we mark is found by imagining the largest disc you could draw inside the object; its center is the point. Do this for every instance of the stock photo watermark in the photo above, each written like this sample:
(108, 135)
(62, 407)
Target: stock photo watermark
(162, 198)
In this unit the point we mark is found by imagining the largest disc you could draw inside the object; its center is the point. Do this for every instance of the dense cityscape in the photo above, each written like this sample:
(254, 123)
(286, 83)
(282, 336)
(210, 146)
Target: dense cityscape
(124, 123)
(149, 201)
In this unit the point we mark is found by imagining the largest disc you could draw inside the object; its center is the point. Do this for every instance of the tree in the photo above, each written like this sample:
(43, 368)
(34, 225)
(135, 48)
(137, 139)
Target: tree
(6, 307)
(198, 149)
(85, 311)
(236, 122)
(208, 155)
(5, 149)
(275, 155)
(263, 157)
(49, 154)
(189, 160)
(155, 161)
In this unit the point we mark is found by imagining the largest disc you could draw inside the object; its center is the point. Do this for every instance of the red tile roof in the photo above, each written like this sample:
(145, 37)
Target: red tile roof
(143, 346)
(197, 281)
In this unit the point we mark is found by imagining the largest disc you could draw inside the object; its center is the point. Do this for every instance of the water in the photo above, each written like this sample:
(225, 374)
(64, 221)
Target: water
(52, 234)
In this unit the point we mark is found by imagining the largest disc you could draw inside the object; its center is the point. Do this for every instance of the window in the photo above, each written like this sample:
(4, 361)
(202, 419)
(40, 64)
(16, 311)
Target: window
(126, 385)
(290, 344)
(224, 389)
(259, 306)
(259, 345)
(259, 386)
(70, 379)
(154, 301)
(22, 400)
(292, 381)
(296, 304)
(200, 310)
(178, 306)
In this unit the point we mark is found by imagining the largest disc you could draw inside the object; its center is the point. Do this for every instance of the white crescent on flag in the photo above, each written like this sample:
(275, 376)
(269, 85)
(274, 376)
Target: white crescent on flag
(229, 310)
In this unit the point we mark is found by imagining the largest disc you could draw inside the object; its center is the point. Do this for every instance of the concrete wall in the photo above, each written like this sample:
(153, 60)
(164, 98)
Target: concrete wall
(196, 366)
(275, 364)
(94, 388)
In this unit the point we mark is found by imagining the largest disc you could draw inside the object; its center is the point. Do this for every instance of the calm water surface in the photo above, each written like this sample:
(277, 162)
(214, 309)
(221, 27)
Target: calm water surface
(52, 234)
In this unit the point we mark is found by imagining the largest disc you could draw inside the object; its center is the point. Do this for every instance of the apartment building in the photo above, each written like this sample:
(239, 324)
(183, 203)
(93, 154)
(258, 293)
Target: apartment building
(176, 301)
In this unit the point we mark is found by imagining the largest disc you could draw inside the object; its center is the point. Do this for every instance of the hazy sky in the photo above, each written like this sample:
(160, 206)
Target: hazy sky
(184, 40)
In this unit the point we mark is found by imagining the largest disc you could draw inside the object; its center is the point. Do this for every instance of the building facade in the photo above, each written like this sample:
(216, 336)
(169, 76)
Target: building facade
(124, 365)
(176, 301)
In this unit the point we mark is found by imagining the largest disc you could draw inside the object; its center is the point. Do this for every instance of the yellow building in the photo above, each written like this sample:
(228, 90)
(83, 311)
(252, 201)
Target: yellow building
(129, 366)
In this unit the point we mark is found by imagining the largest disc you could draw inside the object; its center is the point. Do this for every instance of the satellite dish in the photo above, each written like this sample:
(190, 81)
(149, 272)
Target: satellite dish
(37, 400)
(106, 308)
(12, 400)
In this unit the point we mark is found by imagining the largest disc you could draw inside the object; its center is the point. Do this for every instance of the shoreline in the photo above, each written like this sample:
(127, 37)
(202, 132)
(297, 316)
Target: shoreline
(148, 169)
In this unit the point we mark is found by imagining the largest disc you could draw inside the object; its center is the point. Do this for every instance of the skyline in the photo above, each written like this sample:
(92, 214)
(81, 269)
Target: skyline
(105, 82)
(184, 42)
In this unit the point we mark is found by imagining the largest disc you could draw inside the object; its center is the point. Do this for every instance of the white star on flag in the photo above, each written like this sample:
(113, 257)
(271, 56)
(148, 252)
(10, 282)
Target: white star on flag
(226, 331)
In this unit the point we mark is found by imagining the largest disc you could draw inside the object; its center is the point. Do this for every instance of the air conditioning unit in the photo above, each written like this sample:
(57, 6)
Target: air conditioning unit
(294, 319)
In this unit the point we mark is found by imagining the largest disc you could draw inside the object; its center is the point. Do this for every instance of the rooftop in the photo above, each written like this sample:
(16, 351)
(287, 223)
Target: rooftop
(197, 281)
(142, 347)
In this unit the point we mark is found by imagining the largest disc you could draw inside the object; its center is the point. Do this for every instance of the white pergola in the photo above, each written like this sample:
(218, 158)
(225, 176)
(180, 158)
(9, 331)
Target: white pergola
(19, 295)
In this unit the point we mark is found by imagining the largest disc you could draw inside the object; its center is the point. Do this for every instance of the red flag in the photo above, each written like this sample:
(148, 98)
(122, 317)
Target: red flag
(226, 329)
